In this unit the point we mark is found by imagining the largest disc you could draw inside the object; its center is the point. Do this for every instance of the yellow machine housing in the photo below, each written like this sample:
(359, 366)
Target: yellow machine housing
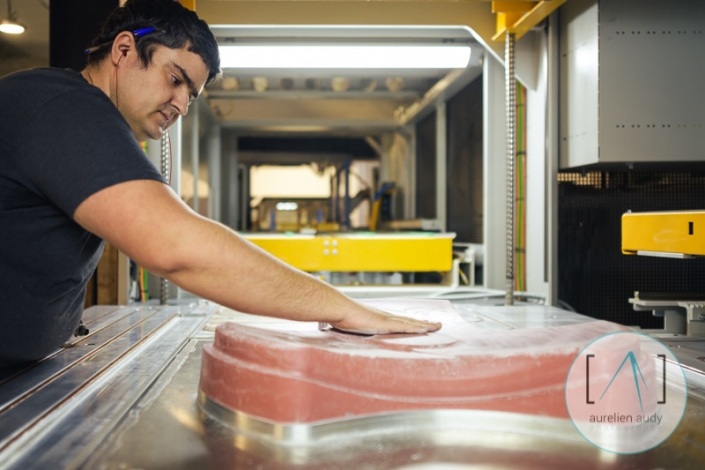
(367, 252)
(681, 233)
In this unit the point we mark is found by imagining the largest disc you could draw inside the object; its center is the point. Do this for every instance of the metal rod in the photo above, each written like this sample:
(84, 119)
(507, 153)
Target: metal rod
(166, 173)
(510, 91)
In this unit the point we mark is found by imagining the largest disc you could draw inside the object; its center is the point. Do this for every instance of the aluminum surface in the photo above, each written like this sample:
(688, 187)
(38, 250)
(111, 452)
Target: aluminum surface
(172, 432)
(314, 434)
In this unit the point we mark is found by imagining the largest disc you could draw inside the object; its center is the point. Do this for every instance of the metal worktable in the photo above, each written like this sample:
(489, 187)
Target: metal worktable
(125, 397)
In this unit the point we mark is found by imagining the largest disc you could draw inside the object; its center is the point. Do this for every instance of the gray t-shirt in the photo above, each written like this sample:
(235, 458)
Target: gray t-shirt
(61, 140)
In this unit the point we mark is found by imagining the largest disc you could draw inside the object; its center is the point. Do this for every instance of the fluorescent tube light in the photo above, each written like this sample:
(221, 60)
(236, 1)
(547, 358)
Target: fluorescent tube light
(345, 57)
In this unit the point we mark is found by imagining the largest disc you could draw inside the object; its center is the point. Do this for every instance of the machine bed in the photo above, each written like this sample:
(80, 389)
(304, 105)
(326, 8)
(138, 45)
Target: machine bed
(126, 396)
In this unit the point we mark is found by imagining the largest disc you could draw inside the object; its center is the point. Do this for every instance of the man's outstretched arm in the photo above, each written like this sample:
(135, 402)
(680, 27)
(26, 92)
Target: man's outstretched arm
(147, 221)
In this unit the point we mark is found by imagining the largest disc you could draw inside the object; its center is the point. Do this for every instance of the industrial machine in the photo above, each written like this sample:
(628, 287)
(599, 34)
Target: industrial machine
(669, 235)
(180, 382)
(356, 258)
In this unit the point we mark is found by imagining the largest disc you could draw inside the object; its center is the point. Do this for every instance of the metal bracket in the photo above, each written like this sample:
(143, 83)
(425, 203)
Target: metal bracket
(680, 317)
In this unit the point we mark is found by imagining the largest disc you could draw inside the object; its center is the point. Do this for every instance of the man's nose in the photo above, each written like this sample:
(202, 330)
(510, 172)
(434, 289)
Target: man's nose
(181, 102)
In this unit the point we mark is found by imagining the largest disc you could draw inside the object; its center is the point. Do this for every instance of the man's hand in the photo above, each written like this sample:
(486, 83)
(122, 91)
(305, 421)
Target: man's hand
(372, 321)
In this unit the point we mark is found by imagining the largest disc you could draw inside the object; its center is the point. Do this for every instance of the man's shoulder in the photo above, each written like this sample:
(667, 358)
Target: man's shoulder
(48, 76)
(42, 83)
(38, 92)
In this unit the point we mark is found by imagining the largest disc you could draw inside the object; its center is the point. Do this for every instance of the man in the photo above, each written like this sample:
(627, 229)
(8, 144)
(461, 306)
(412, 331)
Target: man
(72, 174)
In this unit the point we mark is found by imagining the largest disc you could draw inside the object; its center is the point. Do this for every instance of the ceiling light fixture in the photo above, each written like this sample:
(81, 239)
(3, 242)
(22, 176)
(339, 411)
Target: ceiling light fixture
(10, 25)
(344, 57)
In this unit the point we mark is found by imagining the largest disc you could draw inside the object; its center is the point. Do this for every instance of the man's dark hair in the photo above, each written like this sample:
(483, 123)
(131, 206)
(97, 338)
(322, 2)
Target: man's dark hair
(176, 26)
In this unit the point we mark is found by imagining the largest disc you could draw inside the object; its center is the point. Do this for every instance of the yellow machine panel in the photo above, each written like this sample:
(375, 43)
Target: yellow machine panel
(367, 252)
(664, 232)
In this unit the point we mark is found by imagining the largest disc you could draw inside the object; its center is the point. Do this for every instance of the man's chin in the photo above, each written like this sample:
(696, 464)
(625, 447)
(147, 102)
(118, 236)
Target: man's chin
(151, 135)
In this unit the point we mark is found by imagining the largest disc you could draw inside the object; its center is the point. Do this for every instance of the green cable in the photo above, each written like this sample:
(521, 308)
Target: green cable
(518, 183)
(145, 284)
(522, 190)
(520, 187)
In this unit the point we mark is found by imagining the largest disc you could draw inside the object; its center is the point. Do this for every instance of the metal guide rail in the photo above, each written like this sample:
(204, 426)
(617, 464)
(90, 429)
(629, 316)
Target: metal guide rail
(55, 412)
(126, 396)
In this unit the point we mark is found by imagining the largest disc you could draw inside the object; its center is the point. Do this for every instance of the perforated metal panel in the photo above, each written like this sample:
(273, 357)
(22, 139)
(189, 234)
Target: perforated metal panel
(651, 69)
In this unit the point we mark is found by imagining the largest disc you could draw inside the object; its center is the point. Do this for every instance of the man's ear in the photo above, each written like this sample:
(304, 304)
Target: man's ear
(123, 44)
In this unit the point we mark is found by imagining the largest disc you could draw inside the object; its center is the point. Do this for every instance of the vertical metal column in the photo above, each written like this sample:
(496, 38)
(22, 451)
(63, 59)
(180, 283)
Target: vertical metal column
(410, 206)
(346, 202)
(195, 131)
(494, 172)
(215, 166)
(552, 166)
(231, 187)
(336, 196)
(510, 92)
(166, 172)
(244, 170)
(441, 166)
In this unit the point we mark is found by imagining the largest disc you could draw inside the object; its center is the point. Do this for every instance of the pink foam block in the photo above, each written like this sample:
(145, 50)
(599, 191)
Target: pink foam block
(309, 376)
